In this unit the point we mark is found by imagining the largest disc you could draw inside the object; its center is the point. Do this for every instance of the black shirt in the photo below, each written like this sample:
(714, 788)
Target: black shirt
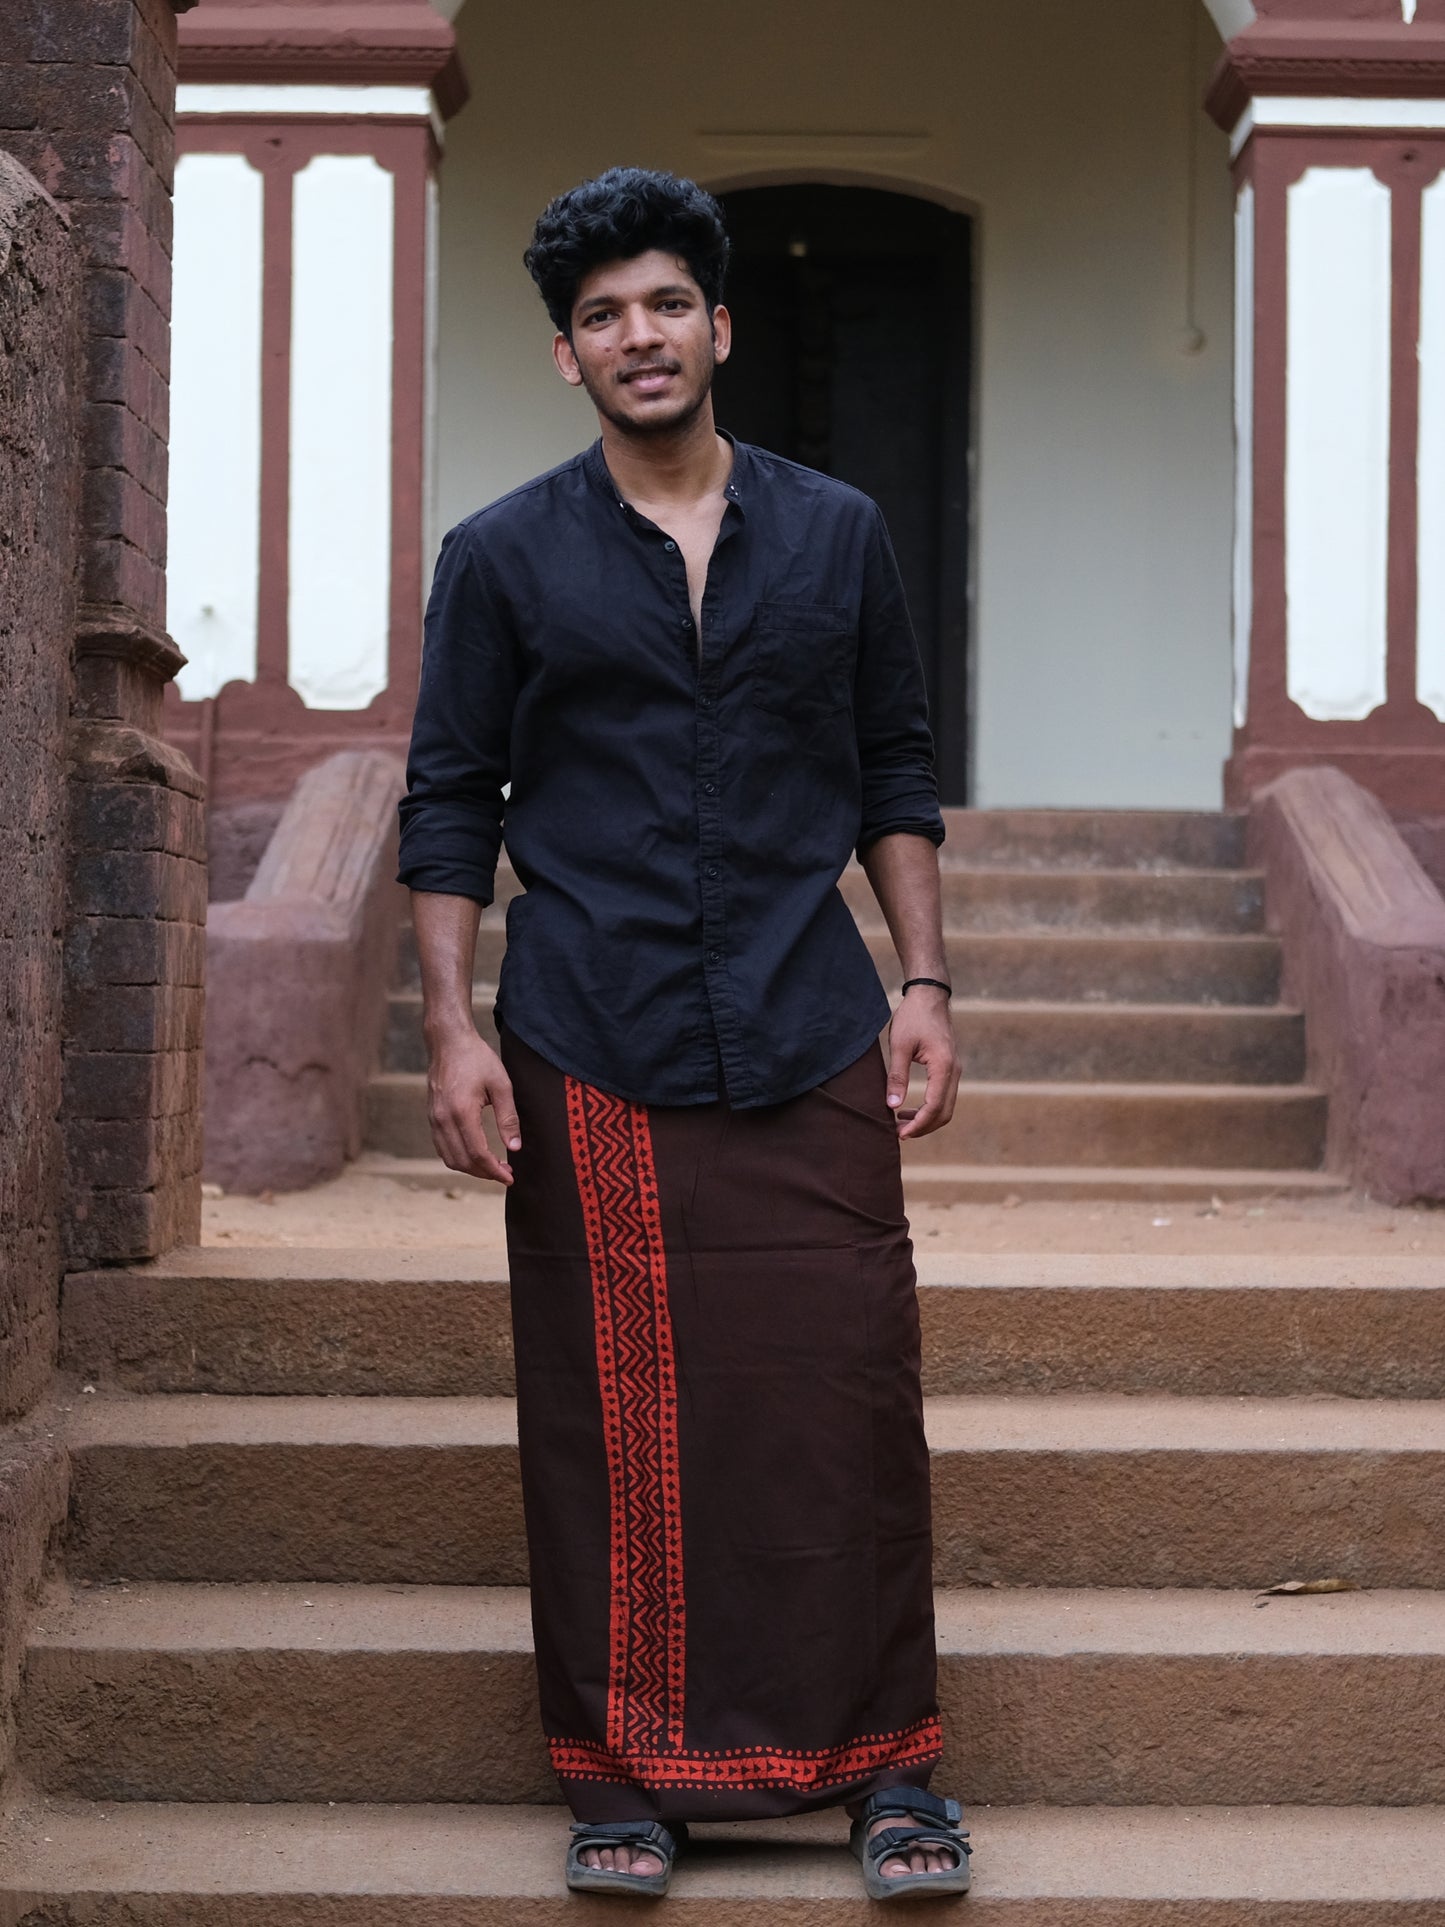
(681, 807)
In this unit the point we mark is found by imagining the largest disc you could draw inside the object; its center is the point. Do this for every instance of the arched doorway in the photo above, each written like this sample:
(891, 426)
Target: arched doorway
(853, 314)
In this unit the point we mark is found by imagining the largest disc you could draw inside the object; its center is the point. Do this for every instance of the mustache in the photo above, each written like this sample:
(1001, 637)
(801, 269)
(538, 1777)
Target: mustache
(651, 368)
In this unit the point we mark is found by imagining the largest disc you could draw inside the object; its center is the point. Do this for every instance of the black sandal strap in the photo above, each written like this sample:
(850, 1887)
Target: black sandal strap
(626, 1833)
(890, 1842)
(912, 1802)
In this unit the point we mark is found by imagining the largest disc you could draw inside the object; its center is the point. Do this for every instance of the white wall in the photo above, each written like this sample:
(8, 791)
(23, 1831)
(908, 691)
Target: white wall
(1104, 449)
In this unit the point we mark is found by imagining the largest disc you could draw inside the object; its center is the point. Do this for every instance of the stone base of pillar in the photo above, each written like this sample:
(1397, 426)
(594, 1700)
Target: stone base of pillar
(1410, 782)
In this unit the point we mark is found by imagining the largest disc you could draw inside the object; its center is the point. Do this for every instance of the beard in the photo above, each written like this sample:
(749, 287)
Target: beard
(681, 415)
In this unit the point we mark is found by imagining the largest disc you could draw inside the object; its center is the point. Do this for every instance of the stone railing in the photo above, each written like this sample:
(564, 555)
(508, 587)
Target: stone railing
(297, 977)
(1363, 930)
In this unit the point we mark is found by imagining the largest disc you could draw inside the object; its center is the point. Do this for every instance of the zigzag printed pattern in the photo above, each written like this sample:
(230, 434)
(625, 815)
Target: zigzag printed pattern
(617, 1185)
(746, 1769)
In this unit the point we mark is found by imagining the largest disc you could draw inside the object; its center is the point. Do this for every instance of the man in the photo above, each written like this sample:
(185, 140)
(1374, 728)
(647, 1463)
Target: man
(687, 667)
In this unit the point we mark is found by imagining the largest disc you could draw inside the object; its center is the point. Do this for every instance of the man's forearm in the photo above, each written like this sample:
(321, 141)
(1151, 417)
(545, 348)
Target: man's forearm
(903, 870)
(446, 948)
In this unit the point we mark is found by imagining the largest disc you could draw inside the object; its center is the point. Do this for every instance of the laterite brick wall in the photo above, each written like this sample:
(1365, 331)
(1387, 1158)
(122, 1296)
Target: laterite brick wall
(40, 295)
(87, 97)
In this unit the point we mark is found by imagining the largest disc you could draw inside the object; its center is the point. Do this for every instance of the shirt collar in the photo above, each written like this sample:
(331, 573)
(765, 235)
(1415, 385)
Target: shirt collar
(739, 486)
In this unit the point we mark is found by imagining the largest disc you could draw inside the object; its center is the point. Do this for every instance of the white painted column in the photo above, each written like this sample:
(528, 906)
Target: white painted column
(339, 594)
(1337, 441)
(1430, 538)
(215, 440)
(1243, 446)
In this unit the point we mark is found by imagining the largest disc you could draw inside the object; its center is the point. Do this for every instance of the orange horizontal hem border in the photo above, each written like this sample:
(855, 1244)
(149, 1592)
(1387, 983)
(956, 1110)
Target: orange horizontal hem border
(748, 1768)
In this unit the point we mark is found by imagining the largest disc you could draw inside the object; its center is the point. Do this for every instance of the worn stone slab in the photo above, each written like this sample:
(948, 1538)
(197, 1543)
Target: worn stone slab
(273, 1692)
(466, 1866)
(297, 1321)
(1056, 1491)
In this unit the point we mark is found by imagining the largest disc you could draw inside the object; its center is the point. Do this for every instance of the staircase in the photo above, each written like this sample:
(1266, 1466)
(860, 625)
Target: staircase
(284, 1678)
(1116, 1002)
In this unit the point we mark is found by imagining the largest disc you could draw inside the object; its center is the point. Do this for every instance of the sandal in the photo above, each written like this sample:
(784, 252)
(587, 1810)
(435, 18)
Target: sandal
(932, 1822)
(651, 1834)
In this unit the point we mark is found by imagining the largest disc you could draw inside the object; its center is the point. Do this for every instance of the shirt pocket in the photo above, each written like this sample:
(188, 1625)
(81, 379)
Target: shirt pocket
(802, 659)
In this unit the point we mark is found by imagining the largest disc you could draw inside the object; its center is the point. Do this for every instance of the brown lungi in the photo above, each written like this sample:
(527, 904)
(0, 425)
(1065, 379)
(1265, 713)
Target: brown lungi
(723, 1461)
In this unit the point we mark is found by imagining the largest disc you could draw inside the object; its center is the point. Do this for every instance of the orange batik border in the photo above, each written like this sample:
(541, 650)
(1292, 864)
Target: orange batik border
(612, 1156)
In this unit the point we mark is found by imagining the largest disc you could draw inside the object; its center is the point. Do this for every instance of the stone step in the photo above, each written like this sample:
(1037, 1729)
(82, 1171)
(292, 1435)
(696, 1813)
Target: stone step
(149, 1865)
(941, 1184)
(1056, 967)
(1151, 840)
(436, 1323)
(1144, 902)
(1234, 1126)
(1181, 902)
(419, 1693)
(1043, 1042)
(1054, 1491)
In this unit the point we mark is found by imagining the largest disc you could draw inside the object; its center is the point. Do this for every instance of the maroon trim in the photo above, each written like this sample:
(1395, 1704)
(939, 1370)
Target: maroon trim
(331, 41)
(1402, 173)
(262, 735)
(1360, 57)
(1409, 782)
(1399, 750)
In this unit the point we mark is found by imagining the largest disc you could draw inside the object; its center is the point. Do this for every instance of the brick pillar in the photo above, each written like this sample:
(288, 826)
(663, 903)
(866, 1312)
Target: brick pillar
(91, 114)
(40, 299)
(1336, 111)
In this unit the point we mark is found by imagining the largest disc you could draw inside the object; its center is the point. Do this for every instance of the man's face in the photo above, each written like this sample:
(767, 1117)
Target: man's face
(643, 344)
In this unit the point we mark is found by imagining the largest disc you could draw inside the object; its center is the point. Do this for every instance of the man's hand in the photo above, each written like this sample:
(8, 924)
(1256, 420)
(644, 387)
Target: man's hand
(466, 1075)
(922, 1033)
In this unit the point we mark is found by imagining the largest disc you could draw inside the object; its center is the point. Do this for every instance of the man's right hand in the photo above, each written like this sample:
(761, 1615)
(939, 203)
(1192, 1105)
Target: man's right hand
(465, 1076)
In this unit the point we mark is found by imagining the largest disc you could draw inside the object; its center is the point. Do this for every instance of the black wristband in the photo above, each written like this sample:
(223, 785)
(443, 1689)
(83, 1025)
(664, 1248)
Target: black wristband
(932, 983)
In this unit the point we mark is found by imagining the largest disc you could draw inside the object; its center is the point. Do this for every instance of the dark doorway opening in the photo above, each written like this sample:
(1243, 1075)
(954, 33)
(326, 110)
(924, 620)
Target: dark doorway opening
(853, 313)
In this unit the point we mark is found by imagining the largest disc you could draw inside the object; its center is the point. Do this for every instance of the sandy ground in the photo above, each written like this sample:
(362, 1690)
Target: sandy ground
(360, 1209)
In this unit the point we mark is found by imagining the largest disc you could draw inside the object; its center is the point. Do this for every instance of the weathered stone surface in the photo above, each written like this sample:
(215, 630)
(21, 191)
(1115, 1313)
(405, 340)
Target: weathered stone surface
(32, 1512)
(297, 982)
(1053, 1491)
(437, 1323)
(39, 375)
(236, 839)
(269, 1692)
(469, 1866)
(1363, 930)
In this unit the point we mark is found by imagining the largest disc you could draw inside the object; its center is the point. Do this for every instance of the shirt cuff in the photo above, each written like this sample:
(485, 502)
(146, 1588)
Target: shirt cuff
(449, 880)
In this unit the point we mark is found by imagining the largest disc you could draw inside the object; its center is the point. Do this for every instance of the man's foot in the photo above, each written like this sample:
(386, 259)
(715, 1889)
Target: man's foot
(637, 1861)
(916, 1860)
(910, 1842)
(621, 1856)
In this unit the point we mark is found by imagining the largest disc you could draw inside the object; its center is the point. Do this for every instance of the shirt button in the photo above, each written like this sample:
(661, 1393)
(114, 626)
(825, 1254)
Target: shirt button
(713, 956)
(710, 788)
(671, 547)
(712, 869)
(686, 623)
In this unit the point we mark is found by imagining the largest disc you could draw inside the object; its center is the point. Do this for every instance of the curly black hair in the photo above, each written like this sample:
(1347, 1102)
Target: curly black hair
(619, 215)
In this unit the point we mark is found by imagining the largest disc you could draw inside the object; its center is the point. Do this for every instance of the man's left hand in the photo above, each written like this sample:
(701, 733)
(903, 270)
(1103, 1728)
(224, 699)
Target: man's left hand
(922, 1033)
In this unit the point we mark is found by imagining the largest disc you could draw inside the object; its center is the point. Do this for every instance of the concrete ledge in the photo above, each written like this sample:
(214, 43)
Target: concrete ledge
(298, 975)
(1363, 931)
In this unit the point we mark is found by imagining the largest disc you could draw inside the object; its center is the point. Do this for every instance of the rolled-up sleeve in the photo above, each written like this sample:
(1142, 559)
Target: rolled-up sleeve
(459, 763)
(895, 746)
